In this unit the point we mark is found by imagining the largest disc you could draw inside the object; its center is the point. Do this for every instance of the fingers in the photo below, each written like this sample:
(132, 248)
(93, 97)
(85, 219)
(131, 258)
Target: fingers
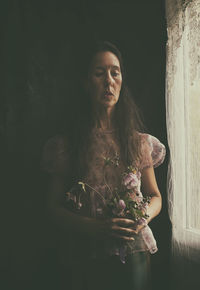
(123, 222)
(124, 238)
(123, 229)
(137, 228)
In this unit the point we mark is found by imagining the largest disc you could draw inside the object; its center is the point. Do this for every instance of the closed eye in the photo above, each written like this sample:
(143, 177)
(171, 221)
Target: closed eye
(115, 73)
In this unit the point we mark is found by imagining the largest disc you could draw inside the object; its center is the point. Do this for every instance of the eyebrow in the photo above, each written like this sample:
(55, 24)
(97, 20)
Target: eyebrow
(110, 66)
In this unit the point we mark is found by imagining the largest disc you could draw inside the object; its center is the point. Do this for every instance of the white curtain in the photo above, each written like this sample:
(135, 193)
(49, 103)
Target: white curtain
(183, 125)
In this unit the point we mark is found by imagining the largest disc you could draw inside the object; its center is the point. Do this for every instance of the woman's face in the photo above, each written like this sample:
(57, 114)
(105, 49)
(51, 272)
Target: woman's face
(105, 79)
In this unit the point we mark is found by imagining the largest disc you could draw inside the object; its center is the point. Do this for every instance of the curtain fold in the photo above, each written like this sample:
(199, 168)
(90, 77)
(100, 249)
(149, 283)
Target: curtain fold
(183, 125)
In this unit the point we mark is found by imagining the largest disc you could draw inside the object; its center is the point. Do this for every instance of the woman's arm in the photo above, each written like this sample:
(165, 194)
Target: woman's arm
(69, 221)
(56, 210)
(150, 187)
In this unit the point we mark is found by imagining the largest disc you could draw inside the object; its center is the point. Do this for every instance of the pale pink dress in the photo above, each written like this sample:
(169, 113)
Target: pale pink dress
(104, 145)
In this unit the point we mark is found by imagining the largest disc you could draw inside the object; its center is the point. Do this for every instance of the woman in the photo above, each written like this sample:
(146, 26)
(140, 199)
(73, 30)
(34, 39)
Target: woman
(92, 246)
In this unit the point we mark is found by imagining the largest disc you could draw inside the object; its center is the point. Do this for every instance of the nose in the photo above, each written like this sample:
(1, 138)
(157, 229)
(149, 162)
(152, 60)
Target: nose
(108, 79)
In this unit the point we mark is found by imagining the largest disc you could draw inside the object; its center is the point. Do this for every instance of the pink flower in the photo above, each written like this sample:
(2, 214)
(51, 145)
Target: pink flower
(119, 210)
(136, 196)
(121, 204)
(131, 180)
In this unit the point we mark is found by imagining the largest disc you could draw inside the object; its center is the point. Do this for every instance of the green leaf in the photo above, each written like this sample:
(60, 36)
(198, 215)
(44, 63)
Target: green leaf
(82, 185)
(115, 200)
(107, 161)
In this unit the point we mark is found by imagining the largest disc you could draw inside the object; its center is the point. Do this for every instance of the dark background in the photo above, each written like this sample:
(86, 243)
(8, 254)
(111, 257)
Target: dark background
(41, 43)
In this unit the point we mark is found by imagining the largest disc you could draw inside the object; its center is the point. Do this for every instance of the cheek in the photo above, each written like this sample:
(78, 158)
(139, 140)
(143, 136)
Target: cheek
(119, 85)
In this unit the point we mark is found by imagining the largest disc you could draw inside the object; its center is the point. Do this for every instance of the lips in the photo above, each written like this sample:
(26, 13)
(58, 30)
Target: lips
(108, 93)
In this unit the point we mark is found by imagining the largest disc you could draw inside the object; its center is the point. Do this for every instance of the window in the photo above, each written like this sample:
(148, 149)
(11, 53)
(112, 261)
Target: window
(183, 124)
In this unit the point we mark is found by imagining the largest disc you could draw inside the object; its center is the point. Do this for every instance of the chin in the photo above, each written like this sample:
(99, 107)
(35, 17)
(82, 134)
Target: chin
(109, 105)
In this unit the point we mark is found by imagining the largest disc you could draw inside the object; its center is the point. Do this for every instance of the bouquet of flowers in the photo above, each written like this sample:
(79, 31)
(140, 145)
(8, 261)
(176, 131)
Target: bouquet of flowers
(126, 202)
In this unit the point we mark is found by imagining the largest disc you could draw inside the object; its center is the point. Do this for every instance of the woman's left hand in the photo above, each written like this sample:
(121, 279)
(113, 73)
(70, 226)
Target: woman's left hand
(138, 226)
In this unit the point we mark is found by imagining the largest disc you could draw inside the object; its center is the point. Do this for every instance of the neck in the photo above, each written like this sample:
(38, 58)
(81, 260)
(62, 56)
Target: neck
(104, 117)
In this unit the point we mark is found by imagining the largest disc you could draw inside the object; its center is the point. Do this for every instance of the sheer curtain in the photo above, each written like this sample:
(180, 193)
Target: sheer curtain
(183, 125)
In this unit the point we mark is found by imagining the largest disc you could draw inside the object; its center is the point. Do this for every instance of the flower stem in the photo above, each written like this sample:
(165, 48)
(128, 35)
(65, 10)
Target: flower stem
(96, 192)
(104, 177)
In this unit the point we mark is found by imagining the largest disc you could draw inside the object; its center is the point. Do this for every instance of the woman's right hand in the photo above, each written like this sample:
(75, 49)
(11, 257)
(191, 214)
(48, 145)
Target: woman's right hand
(119, 228)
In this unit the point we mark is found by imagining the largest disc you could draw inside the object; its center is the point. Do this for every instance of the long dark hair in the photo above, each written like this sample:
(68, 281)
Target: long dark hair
(127, 118)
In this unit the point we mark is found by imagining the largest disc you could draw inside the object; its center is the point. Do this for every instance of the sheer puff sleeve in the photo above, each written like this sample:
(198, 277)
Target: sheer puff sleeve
(55, 159)
(152, 151)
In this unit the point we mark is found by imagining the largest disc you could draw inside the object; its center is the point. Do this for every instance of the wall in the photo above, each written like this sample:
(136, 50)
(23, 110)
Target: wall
(41, 42)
